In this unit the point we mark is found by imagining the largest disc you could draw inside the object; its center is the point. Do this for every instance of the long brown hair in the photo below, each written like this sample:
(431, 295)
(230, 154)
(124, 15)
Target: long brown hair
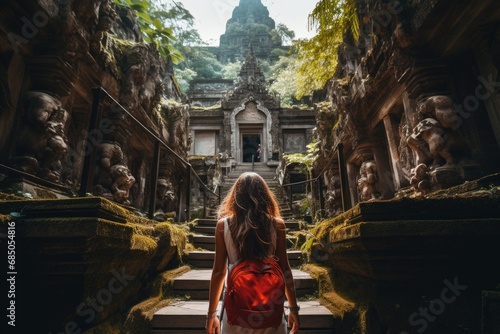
(252, 209)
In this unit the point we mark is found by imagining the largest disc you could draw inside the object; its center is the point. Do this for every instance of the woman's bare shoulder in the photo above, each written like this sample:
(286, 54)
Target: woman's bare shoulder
(280, 223)
(220, 224)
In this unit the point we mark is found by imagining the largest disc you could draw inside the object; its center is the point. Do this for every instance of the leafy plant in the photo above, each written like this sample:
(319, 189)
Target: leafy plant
(306, 161)
(318, 56)
(151, 23)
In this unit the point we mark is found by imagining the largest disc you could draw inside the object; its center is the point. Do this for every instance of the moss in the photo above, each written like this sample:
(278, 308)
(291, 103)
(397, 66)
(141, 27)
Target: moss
(143, 243)
(338, 305)
(5, 219)
(162, 287)
(114, 53)
(214, 107)
(139, 318)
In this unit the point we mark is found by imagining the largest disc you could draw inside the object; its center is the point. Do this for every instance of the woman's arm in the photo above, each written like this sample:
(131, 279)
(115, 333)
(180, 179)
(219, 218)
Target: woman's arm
(217, 280)
(293, 317)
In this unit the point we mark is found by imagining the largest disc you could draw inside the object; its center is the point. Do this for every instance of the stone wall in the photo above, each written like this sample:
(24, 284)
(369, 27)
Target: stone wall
(413, 104)
(53, 54)
(410, 156)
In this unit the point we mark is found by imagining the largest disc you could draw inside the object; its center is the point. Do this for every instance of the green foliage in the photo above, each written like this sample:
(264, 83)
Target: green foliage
(305, 160)
(283, 77)
(205, 64)
(282, 35)
(231, 70)
(184, 76)
(151, 23)
(318, 56)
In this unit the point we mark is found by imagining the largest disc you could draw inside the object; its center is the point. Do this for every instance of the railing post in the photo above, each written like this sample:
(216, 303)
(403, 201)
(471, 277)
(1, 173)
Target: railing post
(321, 198)
(188, 193)
(154, 180)
(89, 161)
(204, 203)
(344, 184)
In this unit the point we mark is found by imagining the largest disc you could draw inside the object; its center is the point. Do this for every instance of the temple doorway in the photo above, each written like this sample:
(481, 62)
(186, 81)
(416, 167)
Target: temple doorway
(250, 148)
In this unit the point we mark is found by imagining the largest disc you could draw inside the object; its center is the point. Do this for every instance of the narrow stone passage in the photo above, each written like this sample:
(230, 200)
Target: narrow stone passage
(187, 316)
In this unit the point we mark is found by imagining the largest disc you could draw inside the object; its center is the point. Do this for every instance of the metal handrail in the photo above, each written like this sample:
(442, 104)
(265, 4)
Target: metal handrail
(87, 176)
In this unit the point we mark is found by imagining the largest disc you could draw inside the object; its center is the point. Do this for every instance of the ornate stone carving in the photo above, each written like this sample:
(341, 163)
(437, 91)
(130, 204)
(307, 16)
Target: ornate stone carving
(333, 197)
(141, 84)
(113, 178)
(42, 144)
(437, 144)
(165, 199)
(368, 181)
(251, 82)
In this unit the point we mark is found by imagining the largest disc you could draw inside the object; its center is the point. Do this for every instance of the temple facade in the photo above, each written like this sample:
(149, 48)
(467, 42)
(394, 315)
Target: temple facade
(247, 119)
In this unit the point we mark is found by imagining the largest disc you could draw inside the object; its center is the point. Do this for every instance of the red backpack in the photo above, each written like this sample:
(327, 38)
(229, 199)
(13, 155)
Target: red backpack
(255, 294)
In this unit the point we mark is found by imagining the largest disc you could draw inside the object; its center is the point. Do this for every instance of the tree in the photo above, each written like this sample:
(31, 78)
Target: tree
(231, 70)
(184, 77)
(283, 77)
(306, 161)
(282, 35)
(318, 56)
(205, 64)
(151, 23)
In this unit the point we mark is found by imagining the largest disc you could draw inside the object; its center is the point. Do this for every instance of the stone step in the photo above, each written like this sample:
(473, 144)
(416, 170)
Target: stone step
(205, 221)
(195, 284)
(209, 230)
(188, 317)
(204, 241)
(205, 259)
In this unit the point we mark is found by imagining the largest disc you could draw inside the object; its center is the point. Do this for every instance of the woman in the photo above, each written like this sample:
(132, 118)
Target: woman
(254, 231)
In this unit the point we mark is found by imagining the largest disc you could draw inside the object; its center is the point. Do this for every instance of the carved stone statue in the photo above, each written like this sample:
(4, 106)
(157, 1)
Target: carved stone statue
(165, 199)
(437, 143)
(333, 197)
(42, 144)
(367, 183)
(142, 81)
(113, 178)
(434, 137)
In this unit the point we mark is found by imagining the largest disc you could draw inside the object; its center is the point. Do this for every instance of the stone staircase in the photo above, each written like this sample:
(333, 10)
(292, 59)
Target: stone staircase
(268, 174)
(187, 316)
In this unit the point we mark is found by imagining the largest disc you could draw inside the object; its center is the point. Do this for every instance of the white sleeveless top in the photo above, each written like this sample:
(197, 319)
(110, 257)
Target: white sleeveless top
(232, 254)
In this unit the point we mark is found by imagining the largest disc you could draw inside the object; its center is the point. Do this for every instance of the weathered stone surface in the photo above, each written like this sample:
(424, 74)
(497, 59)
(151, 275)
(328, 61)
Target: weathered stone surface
(50, 72)
(86, 258)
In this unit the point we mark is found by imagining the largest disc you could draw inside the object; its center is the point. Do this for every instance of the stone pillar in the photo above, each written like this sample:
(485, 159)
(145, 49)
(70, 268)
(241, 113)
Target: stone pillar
(226, 135)
(385, 175)
(352, 174)
(344, 179)
(490, 75)
(275, 135)
(393, 143)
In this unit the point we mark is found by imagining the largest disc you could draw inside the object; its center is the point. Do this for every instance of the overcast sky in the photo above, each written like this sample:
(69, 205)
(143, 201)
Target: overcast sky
(211, 16)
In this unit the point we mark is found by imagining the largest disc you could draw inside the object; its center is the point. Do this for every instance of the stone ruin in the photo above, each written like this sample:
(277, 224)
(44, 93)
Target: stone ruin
(92, 128)
(48, 108)
(409, 161)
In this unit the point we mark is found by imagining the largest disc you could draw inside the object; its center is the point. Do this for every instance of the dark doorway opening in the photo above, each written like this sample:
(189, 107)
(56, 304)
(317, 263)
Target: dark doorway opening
(251, 148)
